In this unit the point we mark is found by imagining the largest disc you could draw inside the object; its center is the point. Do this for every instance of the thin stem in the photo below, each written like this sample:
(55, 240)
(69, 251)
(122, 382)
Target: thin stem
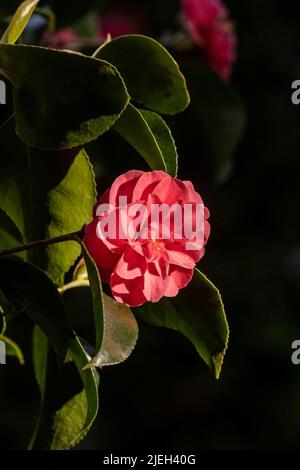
(73, 284)
(40, 243)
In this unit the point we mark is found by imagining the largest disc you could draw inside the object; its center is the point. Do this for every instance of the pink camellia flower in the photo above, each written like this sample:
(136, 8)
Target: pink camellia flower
(209, 26)
(146, 236)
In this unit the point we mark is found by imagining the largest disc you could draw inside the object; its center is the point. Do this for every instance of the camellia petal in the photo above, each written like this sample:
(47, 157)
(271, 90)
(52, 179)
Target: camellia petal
(124, 186)
(139, 258)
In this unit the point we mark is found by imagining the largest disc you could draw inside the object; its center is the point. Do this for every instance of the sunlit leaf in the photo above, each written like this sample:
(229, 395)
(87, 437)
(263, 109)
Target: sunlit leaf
(14, 188)
(150, 136)
(19, 21)
(115, 325)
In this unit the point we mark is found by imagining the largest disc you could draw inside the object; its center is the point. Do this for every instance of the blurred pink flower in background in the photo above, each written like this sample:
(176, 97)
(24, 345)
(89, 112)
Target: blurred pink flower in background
(120, 21)
(59, 39)
(210, 27)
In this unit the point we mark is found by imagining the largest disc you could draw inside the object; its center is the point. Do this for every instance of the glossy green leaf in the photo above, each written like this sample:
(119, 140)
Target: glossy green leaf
(97, 296)
(219, 111)
(150, 136)
(115, 325)
(68, 204)
(12, 349)
(120, 334)
(61, 99)
(14, 189)
(75, 412)
(29, 289)
(74, 419)
(19, 21)
(151, 74)
(198, 313)
(45, 194)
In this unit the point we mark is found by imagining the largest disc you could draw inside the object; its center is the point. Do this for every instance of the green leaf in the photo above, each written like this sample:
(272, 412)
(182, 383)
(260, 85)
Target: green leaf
(9, 235)
(29, 289)
(74, 405)
(198, 313)
(62, 99)
(40, 363)
(151, 74)
(150, 136)
(65, 205)
(120, 334)
(115, 325)
(74, 419)
(219, 111)
(54, 192)
(12, 349)
(39, 356)
(14, 189)
(70, 206)
(19, 21)
(97, 296)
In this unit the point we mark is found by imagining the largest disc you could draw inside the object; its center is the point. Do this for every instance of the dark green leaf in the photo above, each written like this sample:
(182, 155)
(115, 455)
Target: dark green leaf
(120, 334)
(74, 419)
(9, 234)
(74, 404)
(40, 363)
(19, 21)
(116, 327)
(219, 111)
(150, 136)
(39, 356)
(29, 289)
(151, 74)
(97, 296)
(198, 313)
(61, 99)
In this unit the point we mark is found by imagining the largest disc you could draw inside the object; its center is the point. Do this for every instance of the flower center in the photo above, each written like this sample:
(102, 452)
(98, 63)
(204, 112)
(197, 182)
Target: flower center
(156, 249)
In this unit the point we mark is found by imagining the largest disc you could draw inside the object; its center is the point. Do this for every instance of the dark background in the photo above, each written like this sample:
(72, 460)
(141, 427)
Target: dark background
(164, 396)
